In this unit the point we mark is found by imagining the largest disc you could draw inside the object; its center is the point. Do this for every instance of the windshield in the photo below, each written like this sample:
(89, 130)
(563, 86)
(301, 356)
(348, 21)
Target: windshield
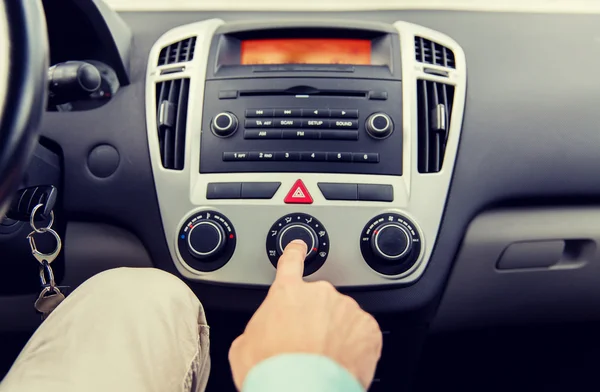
(577, 6)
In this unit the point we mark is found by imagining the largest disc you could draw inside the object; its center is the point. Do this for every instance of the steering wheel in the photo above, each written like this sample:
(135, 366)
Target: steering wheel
(23, 85)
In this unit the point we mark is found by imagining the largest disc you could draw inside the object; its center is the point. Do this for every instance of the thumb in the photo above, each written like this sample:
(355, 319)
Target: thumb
(290, 266)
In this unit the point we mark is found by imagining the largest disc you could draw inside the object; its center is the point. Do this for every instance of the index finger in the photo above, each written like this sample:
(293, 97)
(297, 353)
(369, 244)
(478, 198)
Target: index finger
(291, 263)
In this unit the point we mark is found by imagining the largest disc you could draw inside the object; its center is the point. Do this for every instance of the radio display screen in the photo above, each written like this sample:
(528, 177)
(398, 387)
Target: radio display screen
(306, 51)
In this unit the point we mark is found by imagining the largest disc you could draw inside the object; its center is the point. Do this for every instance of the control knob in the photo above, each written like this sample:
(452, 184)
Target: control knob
(391, 244)
(299, 226)
(391, 241)
(298, 231)
(224, 124)
(206, 239)
(379, 125)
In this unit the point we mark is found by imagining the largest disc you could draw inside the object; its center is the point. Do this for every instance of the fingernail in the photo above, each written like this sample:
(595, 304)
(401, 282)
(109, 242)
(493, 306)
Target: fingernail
(298, 242)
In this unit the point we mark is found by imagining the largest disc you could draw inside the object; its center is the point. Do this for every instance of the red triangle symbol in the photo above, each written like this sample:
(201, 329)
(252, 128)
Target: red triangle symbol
(298, 194)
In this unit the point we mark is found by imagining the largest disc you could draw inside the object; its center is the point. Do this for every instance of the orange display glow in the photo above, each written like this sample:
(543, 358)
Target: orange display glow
(306, 51)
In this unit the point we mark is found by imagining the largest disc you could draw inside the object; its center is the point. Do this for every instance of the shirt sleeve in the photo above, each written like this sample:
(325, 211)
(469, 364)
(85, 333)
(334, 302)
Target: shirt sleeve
(300, 372)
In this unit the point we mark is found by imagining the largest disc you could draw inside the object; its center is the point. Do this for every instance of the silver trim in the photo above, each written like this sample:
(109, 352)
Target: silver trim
(418, 197)
(202, 254)
(382, 253)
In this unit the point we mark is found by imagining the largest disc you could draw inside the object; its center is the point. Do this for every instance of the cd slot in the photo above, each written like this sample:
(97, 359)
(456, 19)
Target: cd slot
(320, 93)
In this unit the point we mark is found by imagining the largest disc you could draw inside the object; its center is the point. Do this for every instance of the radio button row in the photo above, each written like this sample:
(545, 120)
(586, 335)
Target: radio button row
(344, 124)
(259, 113)
(313, 156)
(304, 134)
(339, 157)
(315, 112)
(341, 113)
(299, 134)
(287, 112)
(262, 134)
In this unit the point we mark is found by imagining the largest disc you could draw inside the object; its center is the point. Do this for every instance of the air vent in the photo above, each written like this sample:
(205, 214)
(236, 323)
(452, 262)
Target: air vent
(171, 114)
(178, 52)
(430, 52)
(434, 113)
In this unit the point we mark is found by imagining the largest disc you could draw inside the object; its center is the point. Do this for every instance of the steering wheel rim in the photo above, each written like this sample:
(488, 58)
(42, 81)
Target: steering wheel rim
(23, 85)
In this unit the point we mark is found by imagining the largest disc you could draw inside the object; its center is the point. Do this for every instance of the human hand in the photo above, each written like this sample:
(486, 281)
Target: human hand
(314, 318)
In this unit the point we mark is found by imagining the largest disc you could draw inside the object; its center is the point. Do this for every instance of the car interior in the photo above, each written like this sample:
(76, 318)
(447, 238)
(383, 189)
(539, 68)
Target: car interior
(438, 158)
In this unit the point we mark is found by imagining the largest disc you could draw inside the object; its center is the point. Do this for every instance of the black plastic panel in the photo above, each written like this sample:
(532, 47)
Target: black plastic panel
(213, 147)
(530, 130)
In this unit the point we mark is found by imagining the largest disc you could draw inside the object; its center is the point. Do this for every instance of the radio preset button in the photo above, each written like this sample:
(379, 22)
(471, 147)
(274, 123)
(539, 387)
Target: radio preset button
(259, 113)
(313, 156)
(262, 134)
(258, 123)
(344, 113)
(287, 112)
(339, 135)
(315, 123)
(261, 156)
(365, 157)
(235, 156)
(287, 156)
(344, 124)
(315, 112)
(339, 157)
(297, 134)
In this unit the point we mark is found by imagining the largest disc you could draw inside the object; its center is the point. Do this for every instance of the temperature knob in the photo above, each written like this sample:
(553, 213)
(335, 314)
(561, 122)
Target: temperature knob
(379, 125)
(299, 227)
(391, 241)
(391, 244)
(224, 124)
(206, 241)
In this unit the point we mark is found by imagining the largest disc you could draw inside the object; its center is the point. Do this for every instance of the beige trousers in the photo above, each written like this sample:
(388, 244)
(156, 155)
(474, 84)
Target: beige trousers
(130, 330)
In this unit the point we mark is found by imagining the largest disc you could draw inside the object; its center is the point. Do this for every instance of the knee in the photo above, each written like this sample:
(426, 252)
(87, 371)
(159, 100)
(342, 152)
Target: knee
(134, 285)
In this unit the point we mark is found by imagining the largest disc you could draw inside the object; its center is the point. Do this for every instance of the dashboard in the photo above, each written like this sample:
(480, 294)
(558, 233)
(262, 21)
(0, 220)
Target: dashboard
(441, 164)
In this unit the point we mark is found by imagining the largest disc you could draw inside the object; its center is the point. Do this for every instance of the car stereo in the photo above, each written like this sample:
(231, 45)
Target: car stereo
(340, 133)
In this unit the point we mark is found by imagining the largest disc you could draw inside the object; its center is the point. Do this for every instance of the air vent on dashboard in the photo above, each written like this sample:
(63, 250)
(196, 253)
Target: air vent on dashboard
(430, 52)
(171, 114)
(434, 107)
(177, 52)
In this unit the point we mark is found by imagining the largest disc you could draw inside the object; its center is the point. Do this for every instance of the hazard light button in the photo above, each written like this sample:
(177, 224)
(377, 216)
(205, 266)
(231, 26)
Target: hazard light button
(298, 194)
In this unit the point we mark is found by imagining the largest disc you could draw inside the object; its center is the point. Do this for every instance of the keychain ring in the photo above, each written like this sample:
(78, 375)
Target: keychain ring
(32, 222)
(39, 256)
(45, 268)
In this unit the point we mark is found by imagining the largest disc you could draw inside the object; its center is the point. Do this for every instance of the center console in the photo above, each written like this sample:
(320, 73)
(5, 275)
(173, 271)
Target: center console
(343, 135)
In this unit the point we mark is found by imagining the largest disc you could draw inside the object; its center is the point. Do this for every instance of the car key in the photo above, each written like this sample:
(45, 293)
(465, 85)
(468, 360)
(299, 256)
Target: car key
(48, 300)
(27, 199)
